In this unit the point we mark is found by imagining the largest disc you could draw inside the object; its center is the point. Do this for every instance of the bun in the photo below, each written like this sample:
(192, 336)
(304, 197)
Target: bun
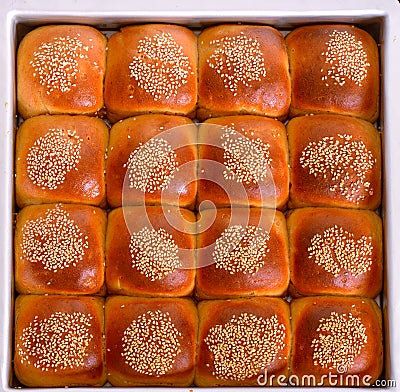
(334, 69)
(59, 341)
(245, 163)
(59, 249)
(150, 341)
(151, 69)
(145, 154)
(335, 162)
(61, 159)
(148, 256)
(243, 70)
(339, 336)
(60, 70)
(335, 251)
(244, 253)
(241, 341)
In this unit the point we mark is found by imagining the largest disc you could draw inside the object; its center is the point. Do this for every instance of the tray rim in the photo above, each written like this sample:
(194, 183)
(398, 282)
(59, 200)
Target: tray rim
(33, 12)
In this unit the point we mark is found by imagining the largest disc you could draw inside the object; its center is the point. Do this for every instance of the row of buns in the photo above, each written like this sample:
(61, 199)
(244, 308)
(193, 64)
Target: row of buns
(160, 251)
(128, 341)
(320, 160)
(225, 70)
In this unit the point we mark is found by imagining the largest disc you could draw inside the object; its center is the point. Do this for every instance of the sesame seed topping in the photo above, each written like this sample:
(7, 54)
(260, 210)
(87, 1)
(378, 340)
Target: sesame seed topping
(52, 157)
(245, 345)
(241, 249)
(346, 58)
(344, 162)
(154, 253)
(152, 166)
(57, 63)
(237, 60)
(246, 160)
(336, 250)
(54, 240)
(151, 343)
(340, 340)
(161, 68)
(56, 343)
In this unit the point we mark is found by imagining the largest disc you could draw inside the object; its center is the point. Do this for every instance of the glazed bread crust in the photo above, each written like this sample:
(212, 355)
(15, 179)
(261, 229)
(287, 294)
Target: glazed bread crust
(60, 70)
(243, 70)
(179, 322)
(61, 158)
(223, 273)
(357, 318)
(335, 251)
(334, 69)
(236, 180)
(335, 162)
(151, 69)
(59, 249)
(43, 325)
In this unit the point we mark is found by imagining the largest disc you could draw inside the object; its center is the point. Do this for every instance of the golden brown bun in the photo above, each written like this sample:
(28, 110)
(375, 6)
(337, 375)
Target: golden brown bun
(61, 159)
(243, 70)
(151, 69)
(355, 348)
(261, 182)
(59, 341)
(240, 341)
(60, 69)
(138, 140)
(334, 69)
(241, 254)
(59, 249)
(147, 254)
(335, 251)
(335, 162)
(150, 341)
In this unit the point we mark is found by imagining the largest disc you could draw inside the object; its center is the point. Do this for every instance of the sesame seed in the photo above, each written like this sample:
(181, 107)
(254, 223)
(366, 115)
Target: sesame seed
(152, 166)
(340, 340)
(57, 63)
(58, 342)
(54, 240)
(237, 60)
(346, 58)
(52, 156)
(343, 162)
(241, 249)
(161, 68)
(336, 250)
(245, 345)
(151, 343)
(246, 160)
(154, 253)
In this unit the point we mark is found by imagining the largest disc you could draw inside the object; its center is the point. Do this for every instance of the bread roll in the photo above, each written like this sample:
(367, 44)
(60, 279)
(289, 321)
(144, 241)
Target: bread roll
(335, 251)
(244, 253)
(243, 69)
(335, 162)
(60, 70)
(152, 160)
(150, 252)
(242, 341)
(334, 69)
(150, 342)
(243, 160)
(61, 159)
(59, 341)
(337, 341)
(59, 249)
(151, 68)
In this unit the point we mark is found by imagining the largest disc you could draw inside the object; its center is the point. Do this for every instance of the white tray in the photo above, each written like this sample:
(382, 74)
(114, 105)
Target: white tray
(381, 17)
